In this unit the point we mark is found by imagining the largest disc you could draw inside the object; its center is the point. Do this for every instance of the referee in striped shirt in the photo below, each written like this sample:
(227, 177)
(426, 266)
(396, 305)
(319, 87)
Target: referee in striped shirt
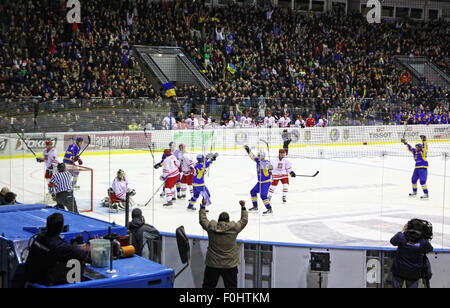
(60, 187)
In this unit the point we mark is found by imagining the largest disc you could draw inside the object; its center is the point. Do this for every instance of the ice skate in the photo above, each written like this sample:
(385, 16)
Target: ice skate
(284, 199)
(413, 194)
(76, 187)
(268, 212)
(253, 209)
(168, 203)
(424, 197)
(191, 209)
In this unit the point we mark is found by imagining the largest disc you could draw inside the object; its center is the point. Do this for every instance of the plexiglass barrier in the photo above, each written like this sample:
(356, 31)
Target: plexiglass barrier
(359, 197)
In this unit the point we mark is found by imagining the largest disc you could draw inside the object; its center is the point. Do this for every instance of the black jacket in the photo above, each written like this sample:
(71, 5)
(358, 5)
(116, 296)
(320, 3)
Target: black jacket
(141, 233)
(408, 262)
(47, 260)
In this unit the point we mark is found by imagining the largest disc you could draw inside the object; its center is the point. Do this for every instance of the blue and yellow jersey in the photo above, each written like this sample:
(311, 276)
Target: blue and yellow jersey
(420, 156)
(445, 118)
(72, 154)
(263, 169)
(199, 173)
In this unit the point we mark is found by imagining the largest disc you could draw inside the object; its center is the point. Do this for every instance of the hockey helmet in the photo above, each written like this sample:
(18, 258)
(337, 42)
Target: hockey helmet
(121, 174)
(419, 146)
(167, 152)
(48, 142)
(200, 158)
(172, 146)
(61, 167)
(261, 155)
(282, 152)
(79, 139)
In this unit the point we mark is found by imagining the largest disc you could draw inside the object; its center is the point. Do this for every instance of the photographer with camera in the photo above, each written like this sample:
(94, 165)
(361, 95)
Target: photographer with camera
(410, 260)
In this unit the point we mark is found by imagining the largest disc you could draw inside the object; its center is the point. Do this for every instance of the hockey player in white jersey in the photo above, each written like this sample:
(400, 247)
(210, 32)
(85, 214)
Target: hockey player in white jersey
(246, 121)
(282, 168)
(269, 121)
(51, 161)
(284, 121)
(187, 169)
(117, 193)
(170, 176)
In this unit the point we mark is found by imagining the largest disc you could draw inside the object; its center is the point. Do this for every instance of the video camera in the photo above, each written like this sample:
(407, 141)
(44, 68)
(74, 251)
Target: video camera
(417, 229)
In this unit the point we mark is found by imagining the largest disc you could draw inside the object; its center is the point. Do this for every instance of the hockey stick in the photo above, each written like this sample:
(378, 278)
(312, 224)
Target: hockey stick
(308, 176)
(154, 194)
(89, 142)
(267, 145)
(23, 140)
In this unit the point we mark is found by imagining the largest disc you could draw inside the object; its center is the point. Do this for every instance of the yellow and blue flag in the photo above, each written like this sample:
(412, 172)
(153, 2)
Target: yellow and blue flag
(170, 90)
(231, 68)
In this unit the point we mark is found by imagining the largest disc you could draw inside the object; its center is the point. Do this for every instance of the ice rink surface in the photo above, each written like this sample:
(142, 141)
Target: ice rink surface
(351, 202)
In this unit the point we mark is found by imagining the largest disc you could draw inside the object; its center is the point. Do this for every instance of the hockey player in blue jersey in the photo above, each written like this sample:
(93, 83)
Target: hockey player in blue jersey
(420, 152)
(264, 172)
(203, 164)
(175, 152)
(71, 156)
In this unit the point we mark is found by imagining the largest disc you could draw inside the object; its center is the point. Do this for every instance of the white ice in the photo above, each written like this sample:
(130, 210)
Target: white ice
(351, 202)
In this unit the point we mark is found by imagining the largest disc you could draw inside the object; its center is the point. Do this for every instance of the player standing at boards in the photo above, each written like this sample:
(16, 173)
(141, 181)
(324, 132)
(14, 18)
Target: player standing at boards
(71, 156)
(421, 169)
(200, 188)
(264, 171)
(51, 162)
(187, 168)
(286, 140)
(282, 168)
(170, 176)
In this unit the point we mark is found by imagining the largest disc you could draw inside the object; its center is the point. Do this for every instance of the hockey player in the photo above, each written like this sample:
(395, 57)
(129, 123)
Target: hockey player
(269, 121)
(203, 163)
(187, 169)
(160, 164)
(170, 176)
(421, 169)
(286, 140)
(285, 121)
(117, 193)
(282, 168)
(71, 156)
(264, 172)
(51, 162)
(245, 121)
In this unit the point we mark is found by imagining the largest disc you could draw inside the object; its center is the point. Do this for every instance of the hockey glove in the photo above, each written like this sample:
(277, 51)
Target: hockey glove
(157, 165)
(247, 149)
(215, 156)
(403, 141)
(39, 159)
(80, 162)
(162, 178)
(293, 174)
(423, 138)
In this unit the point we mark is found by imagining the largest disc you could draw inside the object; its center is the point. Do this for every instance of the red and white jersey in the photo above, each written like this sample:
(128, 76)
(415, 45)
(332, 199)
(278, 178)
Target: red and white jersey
(322, 122)
(246, 122)
(171, 167)
(187, 163)
(50, 158)
(284, 122)
(233, 124)
(269, 122)
(120, 188)
(192, 123)
(281, 168)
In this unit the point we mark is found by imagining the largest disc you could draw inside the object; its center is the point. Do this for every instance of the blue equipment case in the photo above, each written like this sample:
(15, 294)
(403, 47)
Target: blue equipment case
(18, 223)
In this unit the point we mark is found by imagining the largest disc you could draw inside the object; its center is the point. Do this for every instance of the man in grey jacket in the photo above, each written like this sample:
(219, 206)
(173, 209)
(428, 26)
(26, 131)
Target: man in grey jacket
(222, 257)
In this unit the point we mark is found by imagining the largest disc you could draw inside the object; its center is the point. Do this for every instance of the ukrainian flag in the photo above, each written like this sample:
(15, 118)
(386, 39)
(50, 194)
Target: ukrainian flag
(170, 90)
(231, 68)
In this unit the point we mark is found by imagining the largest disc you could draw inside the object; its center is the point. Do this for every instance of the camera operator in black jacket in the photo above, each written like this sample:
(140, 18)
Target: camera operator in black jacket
(412, 244)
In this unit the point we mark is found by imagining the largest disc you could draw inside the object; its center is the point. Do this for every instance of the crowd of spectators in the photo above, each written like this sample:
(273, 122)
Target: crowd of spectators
(259, 59)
